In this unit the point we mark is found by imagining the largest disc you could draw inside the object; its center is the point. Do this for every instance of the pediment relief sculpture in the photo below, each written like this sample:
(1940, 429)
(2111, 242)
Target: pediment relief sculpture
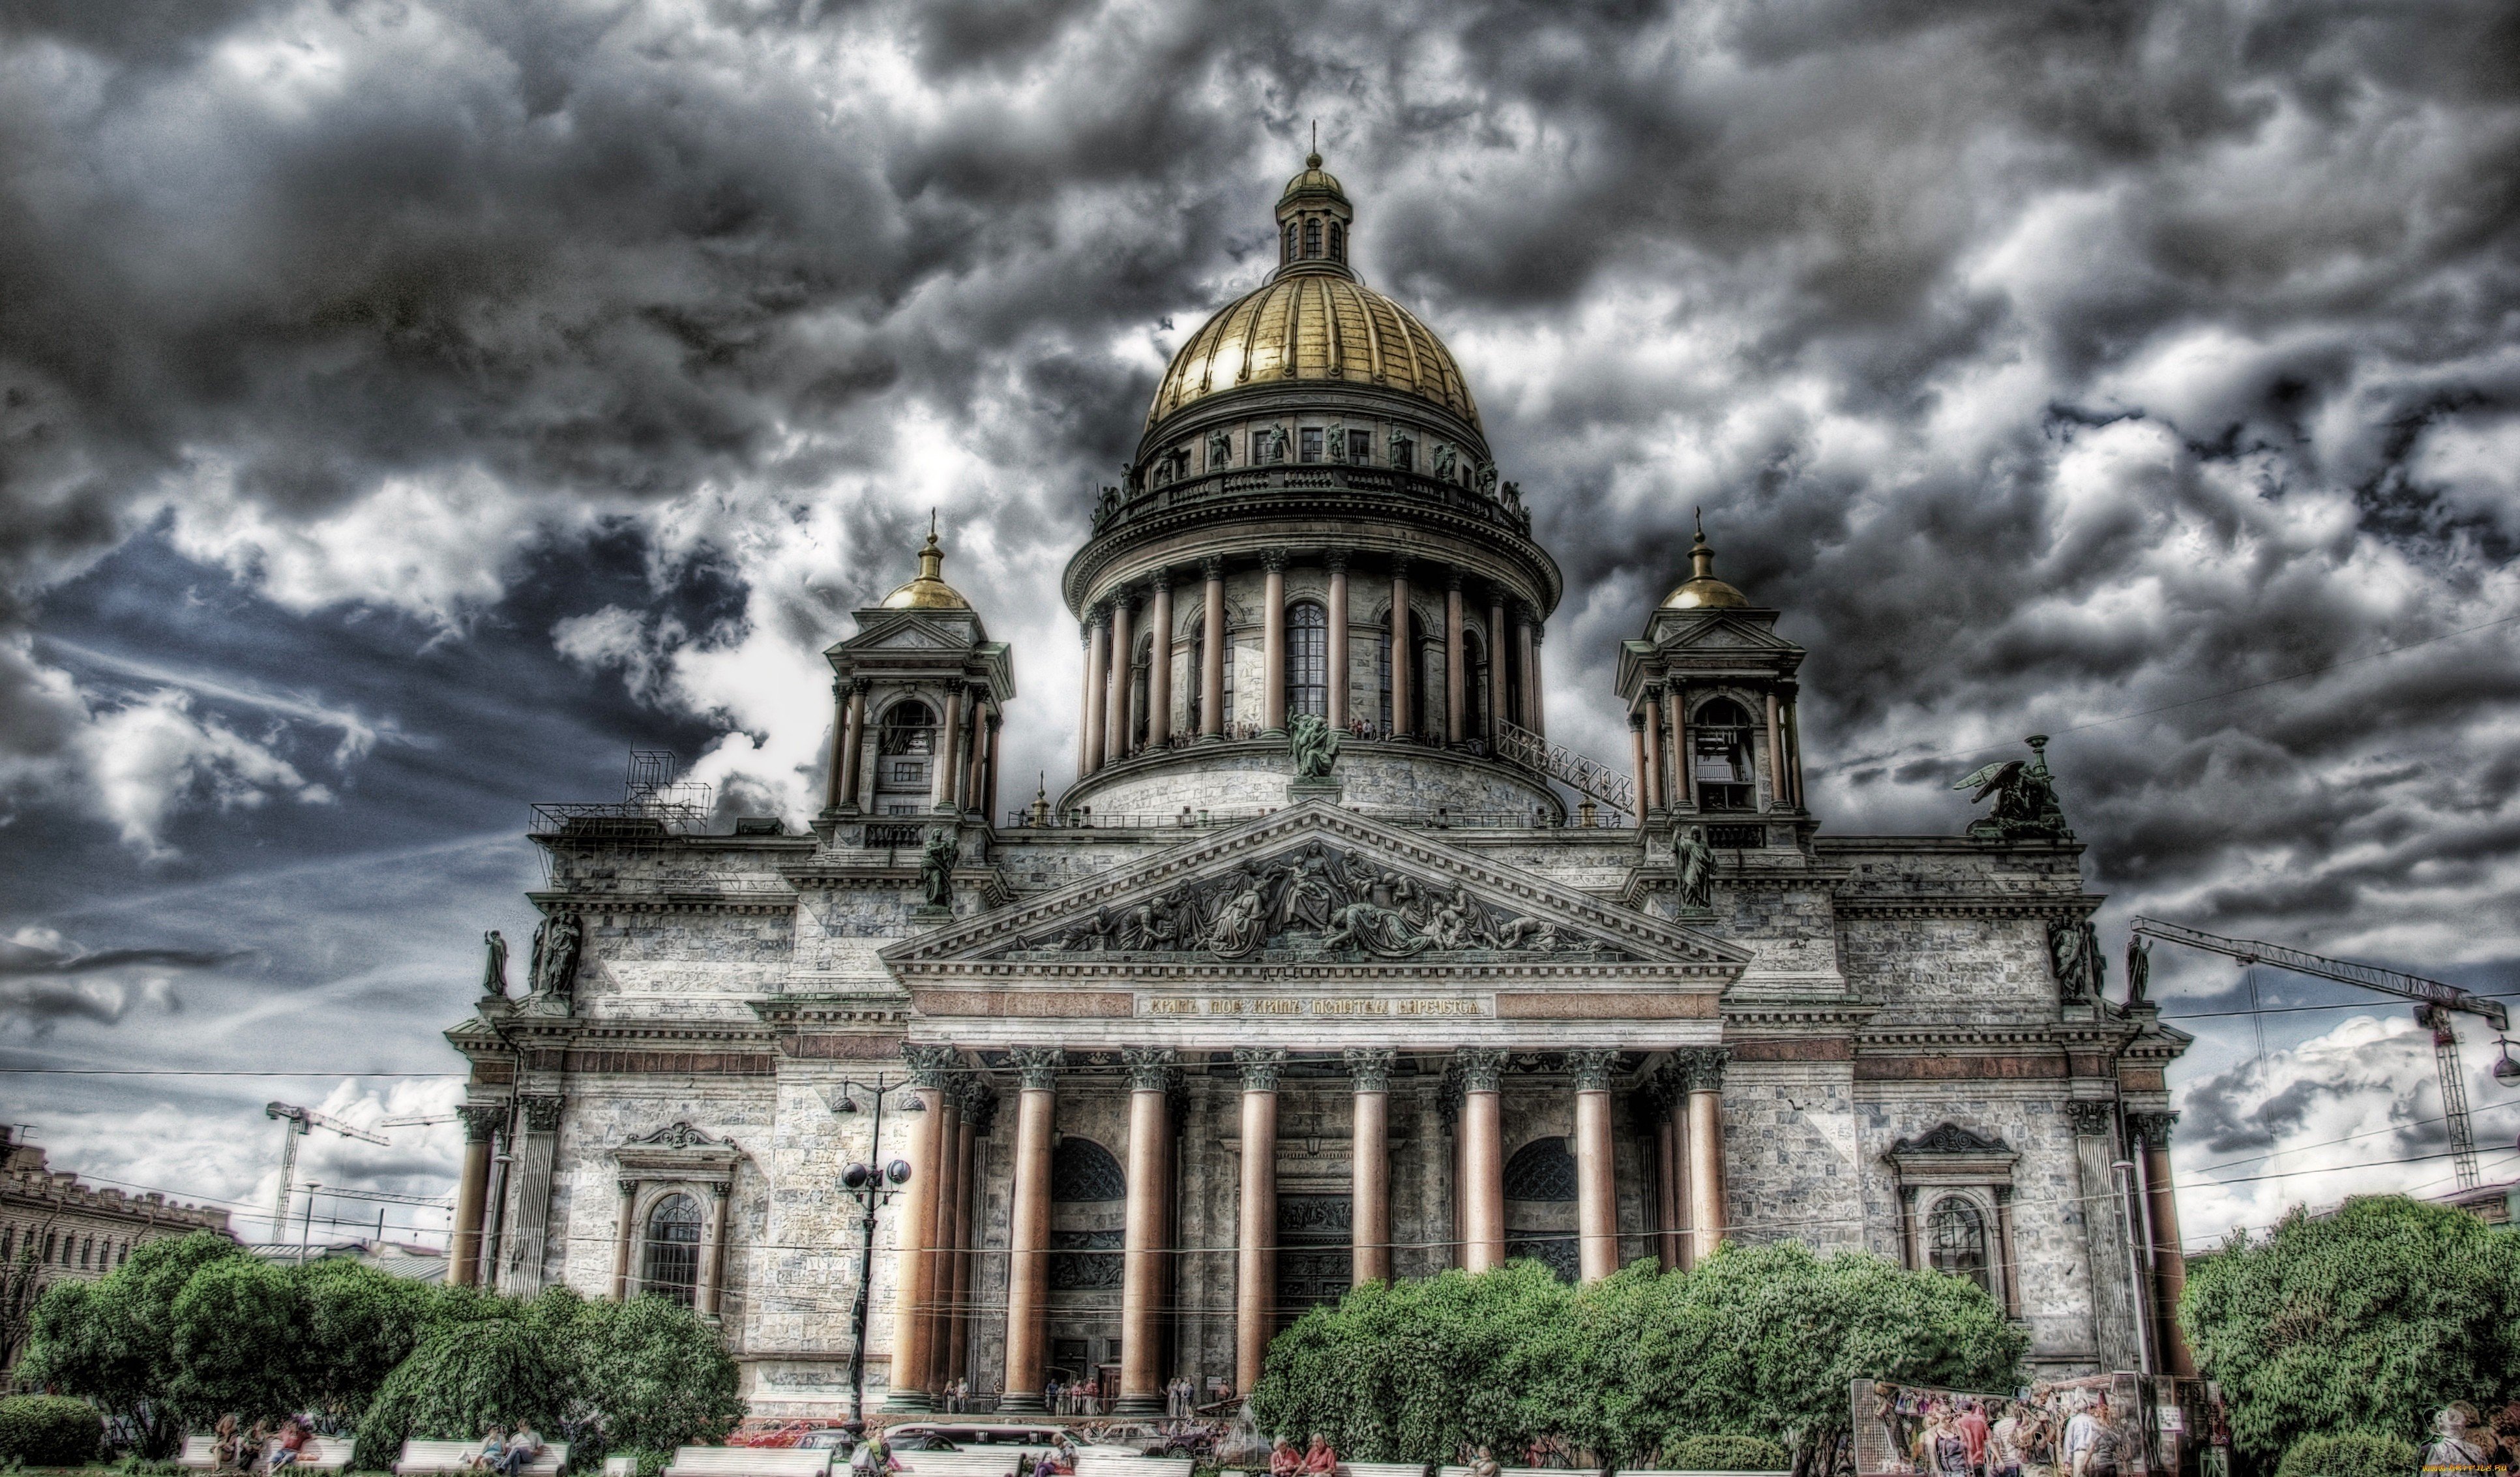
(1317, 901)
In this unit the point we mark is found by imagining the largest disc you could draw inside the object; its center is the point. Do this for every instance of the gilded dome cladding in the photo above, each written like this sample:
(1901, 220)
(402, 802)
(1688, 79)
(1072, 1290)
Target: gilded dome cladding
(1314, 325)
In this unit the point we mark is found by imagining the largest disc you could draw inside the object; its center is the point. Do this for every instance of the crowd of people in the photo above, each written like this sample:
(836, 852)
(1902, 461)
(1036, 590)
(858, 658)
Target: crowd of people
(267, 1447)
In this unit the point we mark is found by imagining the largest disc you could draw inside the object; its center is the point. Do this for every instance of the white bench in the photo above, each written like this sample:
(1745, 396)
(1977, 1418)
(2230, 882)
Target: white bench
(435, 1458)
(1383, 1469)
(1091, 1464)
(966, 1463)
(1509, 1472)
(321, 1453)
(749, 1462)
(1662, 1472)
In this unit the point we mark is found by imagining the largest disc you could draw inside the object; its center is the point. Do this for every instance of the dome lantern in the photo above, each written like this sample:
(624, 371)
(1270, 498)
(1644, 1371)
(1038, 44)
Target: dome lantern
(1313, 220)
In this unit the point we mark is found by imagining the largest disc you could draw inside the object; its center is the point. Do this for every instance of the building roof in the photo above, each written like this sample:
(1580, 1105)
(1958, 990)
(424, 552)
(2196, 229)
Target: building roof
(929, 592)
(1702, 591)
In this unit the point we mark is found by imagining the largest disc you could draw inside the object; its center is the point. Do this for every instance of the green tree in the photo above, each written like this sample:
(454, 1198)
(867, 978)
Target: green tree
(2369, 1318)
(113, 1340)
(651, 1375)
(240, 1342)
(361, 1323)
(461, 1379)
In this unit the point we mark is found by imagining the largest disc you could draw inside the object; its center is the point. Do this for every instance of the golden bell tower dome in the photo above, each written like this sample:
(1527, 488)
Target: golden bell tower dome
(1702, 591)
(929, 592)
(1312, 321)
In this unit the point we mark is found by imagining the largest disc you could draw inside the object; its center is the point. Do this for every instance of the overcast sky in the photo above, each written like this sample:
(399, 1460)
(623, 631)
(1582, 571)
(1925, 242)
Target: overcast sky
(408, 408)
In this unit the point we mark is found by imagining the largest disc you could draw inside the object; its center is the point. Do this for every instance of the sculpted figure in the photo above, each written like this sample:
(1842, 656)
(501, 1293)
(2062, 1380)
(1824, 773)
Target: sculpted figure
(1486, 479)
(1695, 863)
(1536, 934)
(2138, 969)
(1456, 922)
(1378, 930)
(2025, 798)
(1309, 893)
(556, 945)
(2074, 955)
(1242, 923)
(1447, 459)
(1401, 447)
(1315, 746)
(936, 869)
(494, 970)
(1339, 440)
(1275, 439)
(1219, 450)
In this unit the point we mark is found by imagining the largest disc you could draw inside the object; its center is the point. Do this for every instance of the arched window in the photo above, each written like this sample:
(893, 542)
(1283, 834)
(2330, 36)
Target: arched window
(1476, 674)
(1338, 242)
(49, 1240)
(1196, 688)
(1427, 701)
(1541, 1170)
(1383, 674)
(1308, 660)
(1291, 240)
(908, 727)
(1956, 1234)
(1719, 744)
(1313, 237)
(1082, 1172)
(672, 1268)
(1140, 691)
(7, 1242)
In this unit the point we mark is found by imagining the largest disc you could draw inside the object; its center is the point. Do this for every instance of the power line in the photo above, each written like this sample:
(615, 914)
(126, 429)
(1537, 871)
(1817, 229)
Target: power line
(200, 1072)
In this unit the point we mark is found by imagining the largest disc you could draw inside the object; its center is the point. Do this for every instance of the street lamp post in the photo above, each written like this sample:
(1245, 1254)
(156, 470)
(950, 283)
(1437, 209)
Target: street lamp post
(871, 1188)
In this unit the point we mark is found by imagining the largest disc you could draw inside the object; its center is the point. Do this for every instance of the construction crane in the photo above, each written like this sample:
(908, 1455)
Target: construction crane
(2434, 1004)
(295, 1121)
(417, 1120)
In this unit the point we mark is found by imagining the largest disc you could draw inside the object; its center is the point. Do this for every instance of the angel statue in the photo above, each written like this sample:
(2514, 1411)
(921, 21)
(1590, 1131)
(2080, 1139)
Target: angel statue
(1695, 862)
(1316, 746)
(936, 869)
(2025, 799)
(494, 970)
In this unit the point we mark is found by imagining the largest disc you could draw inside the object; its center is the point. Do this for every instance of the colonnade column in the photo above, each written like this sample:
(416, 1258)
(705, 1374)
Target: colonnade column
(914, 1227)
(1369, 1161)
(1527, 667)
(473, 1192)
(623, 1235)
(846, 714)
(976, 773)
(2161, 1217)
(1142, 1248)
(1482, 1158)
(1097, 647)
(1273, 645)
(1159, 663)
(942, 1249)
(1702, 1069)
(989, 776)
(1115, 717)
(1211, 653)
(1457, 657)
(853, 750)
(1402, 667)
(1684, 784)
(1779, 788)
(2011, 1267)
(1793, 749)
(1539, 684)
(1028, 1229)
(978, 1108)
(1255, 1255)
(1637, 757)
(1666, 1180)
(1338, 673)
(1597, 1201)
(949, 749)
(1499, 654)
(1651, 796)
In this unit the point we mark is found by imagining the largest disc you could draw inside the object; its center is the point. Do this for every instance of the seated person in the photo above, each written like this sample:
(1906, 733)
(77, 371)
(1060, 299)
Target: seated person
(494, 1450)
(524, 1447)
(1484, 1465)
(1323, 1459)
(1283, 1459)
(293, 1437)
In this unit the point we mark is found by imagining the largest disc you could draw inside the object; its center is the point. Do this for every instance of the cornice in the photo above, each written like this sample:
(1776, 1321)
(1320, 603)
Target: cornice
(666, 900)
(1917, 905)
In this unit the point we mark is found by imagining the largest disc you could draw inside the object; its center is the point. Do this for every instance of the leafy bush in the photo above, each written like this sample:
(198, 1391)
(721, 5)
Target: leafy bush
(2367, 1319)
(112, 1340)
(651, 1375)
(240, 1341)
(2352, 1454)
(360, 1324)
(49, 1431)
(462, 1380)
(1725, 1454)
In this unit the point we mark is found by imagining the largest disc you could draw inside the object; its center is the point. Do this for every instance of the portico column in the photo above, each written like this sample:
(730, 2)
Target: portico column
(1159, 663)
(1911, 1236)
(1539, 684)
(1115, 717)
(1683, 1241)
(989, 775)
(2003, 1238)
(1650, 721)
(949, 751)
(712, 1286)
(1780, 790)
(1402, 666)
(1273, 645)
(844, 730)
(1684, 783)
(1097, 647)
(1338, 674)
(1527, 666)
(978, 1108)
(940, 1256)
(473, 1192)
(1143, 1249)
(1456, 662)
(2168, 1263)
(1369, 1166)
(1211, 653)
(1028, 1228)
(1597, 1206)
(623, 1235)
(1498, 654)
(1255, 1255)
(853, 753)
(1482, 1158)
(1666, 1181)
(1637, 757)
(1703, 1067)
(914, 1227)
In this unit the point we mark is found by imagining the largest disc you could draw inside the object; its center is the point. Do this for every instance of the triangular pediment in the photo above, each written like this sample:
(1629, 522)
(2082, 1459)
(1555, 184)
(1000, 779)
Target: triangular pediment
(1316, 885)
(1719, 631)
(900, 631)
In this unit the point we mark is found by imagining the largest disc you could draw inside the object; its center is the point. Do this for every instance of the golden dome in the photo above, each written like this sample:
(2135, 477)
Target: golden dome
(1702, 591)
(929, 592)
(1313, 324)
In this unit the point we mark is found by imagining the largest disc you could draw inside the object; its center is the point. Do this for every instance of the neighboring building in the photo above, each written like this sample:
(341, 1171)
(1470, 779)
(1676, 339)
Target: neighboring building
(76, 1230)
(2494, 1204)
(418, 1264)
(1206, 1039)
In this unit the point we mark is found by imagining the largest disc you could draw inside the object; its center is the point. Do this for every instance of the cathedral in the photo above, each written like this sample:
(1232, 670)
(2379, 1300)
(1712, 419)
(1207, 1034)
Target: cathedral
(1327, 966)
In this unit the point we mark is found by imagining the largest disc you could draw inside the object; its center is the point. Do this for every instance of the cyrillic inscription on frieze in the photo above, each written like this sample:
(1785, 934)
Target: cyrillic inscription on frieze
(1316, 1006)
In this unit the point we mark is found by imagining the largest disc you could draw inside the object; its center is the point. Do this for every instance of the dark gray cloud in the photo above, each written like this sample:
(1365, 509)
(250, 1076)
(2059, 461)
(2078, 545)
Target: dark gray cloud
(539, 380)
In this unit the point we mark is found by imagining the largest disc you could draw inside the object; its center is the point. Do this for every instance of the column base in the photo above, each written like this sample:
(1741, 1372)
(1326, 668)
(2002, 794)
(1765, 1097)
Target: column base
(1020, 1405)
(908, 1402)
(1138, 1404)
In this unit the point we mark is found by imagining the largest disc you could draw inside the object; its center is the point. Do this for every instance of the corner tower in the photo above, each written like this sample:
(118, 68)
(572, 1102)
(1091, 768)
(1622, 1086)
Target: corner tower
(1314, 523)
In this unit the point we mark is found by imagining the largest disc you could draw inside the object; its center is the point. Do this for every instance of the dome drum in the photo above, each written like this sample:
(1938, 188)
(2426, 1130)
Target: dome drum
(1392, 779)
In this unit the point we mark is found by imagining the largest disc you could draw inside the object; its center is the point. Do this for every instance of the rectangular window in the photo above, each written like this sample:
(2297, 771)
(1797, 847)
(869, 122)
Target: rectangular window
(908, 772)
(1312, 443)
(901, 810)
(1360, 446)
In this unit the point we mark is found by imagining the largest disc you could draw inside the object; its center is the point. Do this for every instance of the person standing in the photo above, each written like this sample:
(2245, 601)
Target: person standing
(1972, 1428)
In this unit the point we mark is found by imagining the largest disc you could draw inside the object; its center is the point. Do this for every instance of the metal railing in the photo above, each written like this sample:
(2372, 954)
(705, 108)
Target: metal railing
(1516, 744)
(1348, 478)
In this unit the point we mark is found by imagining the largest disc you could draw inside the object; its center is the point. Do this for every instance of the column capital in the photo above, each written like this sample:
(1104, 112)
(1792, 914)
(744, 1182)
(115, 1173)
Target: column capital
(1261, 1067)
(970, 1092)
(1150, 1068)
(860, 684)
(1037, 1067)
(1482, 1068)
(1212, 568)
(932, 1064)
(629, 1188)
(1370, 1067)
(1400, 567)
(1336, 560)
(1653, 691)
(1636, 723)
(1454, 578)
(1702, 1067)
(980, 1110)
(1275, 562)
(542, 1111)
(1084, 629)
(2152, 1129)
(482, 1120)
(1592, 1068)
(2091, 1118)
(1528, 614)
(2002, 1196)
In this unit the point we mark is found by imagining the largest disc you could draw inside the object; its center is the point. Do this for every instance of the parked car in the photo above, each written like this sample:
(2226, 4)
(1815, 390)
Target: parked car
(961, 1434)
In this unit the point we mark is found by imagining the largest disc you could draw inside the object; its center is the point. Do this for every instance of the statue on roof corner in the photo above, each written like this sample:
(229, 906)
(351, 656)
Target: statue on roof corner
(2025, 799)
(936, 869)
(1315, 746)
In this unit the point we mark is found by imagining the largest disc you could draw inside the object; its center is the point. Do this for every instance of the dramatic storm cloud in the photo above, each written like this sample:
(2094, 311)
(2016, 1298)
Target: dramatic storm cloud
(407, 408)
